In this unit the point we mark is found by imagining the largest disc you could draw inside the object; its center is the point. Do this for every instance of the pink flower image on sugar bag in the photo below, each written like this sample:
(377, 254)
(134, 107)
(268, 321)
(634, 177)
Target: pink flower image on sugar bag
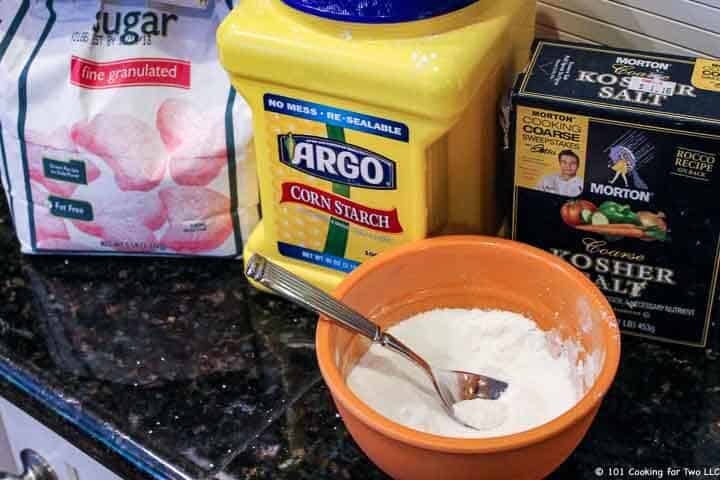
(143, 208)
(121, 118)
(199, 219)
(196, 142)
(189, 137)
(131, 148)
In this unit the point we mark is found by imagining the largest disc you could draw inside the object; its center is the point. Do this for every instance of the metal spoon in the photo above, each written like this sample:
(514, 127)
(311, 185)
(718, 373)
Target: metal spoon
(452, 386)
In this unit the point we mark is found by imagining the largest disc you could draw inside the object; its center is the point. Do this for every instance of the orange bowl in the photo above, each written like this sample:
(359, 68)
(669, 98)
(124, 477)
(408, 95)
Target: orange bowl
(471, 272)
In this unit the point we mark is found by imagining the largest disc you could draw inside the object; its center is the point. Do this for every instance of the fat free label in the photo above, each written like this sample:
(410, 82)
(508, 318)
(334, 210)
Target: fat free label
(72, 209)
(337, 162)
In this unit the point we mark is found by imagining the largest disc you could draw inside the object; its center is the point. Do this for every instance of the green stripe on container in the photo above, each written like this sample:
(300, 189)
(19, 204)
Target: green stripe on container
(337, 238)
(337, 133)
(22, 115)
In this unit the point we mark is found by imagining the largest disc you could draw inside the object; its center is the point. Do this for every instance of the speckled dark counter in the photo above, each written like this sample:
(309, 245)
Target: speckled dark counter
(177, 369)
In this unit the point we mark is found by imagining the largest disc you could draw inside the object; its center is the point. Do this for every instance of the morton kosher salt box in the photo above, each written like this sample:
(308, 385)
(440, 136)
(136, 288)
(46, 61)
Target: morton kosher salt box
(615, 170)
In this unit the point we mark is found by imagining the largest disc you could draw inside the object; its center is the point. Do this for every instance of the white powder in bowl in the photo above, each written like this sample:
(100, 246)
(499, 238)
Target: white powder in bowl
(500, 344)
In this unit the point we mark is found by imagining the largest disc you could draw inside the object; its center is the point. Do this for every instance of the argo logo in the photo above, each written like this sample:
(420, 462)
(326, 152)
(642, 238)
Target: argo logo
(337, 162)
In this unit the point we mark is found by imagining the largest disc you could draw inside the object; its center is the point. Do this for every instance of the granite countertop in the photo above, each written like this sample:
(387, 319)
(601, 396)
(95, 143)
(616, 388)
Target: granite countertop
(177, 369)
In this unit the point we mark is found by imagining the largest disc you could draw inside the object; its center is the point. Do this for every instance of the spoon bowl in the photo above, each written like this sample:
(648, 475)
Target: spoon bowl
(452, 386)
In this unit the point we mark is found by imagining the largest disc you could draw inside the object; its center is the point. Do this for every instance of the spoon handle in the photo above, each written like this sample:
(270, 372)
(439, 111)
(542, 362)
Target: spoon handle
(303, 293)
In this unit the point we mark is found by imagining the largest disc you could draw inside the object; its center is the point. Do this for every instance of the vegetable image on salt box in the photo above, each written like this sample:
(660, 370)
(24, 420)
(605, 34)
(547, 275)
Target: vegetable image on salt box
(375, 122)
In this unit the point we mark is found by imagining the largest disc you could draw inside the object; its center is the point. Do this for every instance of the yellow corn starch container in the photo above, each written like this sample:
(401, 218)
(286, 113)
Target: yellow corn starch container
(375, 122)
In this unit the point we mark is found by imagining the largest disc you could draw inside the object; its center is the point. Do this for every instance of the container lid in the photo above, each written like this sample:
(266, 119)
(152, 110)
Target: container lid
(378, 11)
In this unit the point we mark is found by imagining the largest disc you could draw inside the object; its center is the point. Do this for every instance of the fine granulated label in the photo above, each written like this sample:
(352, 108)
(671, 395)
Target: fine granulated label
(608, 178)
